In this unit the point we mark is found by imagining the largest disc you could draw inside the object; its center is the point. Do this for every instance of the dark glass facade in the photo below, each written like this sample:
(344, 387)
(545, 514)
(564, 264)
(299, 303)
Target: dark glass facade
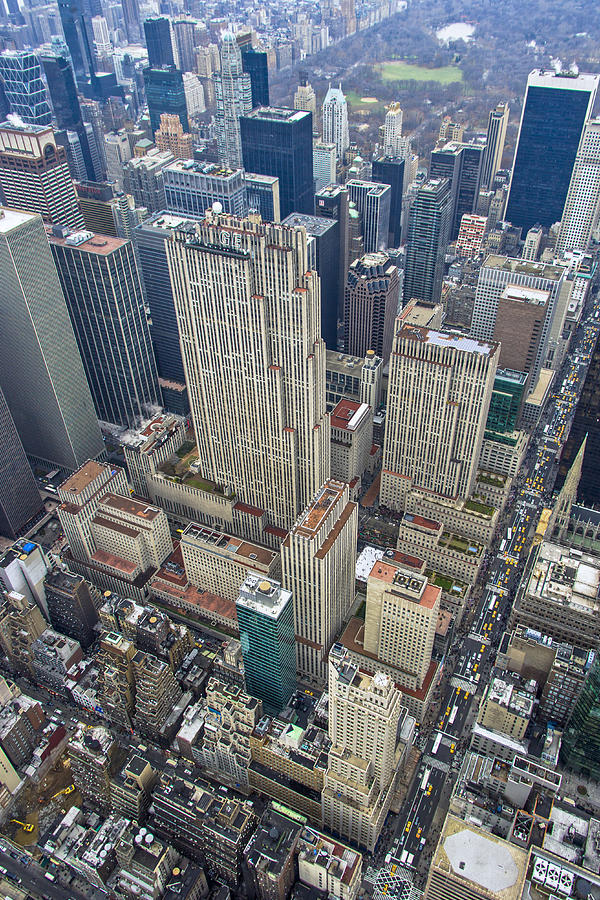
(269, 651)
(461, 165)
(505, 402)
(157, 32)
(254, 63)
(427, 239)
(580, 749)
(277, 141)
(63, 93)
(550, 131)
(387, 170)
(19, 497)
(76, 17)
(165, 94)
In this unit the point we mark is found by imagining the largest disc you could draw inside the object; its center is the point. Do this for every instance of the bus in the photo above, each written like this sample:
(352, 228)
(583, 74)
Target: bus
(436, 743)
(492, 602)
(425, 778)
(503, 545)
(509, 534)
(453, 715)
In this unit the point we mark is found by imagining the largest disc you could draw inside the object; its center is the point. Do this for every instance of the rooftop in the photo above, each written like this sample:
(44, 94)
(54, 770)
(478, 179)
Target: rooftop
(348, 414)
(83, 477)
(221, 542)
(11, 218)
(313, 518)
(137, 508)
(314, 225)
(100, 244)
(567, 577)
(523, 267)
(277, 114)
(446, 339)
(263, 595)
(203, 168)
(520, 294)
(406, 583)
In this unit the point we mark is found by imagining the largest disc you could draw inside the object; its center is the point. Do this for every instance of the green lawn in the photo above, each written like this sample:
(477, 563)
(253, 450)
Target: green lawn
(358, 105)
(397, 70)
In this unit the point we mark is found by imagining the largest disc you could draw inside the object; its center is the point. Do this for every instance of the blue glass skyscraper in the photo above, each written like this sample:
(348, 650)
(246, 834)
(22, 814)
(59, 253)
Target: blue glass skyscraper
(554, 112)
(21, 74)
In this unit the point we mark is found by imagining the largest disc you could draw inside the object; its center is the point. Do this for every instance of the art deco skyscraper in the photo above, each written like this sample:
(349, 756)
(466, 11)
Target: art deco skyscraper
(582, 206)
(555, 109)
(41, 372)
(318, 561)
(494, 146)
(248, 309)
(102, 286)
(233, 92)
(438, 399)
(335, 120)
(305, 97)
(392, 135)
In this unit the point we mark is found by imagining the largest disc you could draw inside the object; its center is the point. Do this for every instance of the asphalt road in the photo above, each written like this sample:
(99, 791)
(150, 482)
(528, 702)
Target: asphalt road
(32, 879)
(471, 658)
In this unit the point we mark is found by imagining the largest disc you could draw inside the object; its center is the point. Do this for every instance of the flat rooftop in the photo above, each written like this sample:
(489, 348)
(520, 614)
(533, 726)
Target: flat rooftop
(310, 521)
(12, 218)
(277, 114)
(520, 294)
(314, 225)
(348, 414)
(445, 339)
(221, 542)
(83, 477)
(202, 168)
(100, 244)
(523, 267)
(131, 507)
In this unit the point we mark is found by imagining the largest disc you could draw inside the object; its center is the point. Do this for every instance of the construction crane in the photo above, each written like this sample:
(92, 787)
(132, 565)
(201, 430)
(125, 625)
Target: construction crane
(26, 826)
(67, 790)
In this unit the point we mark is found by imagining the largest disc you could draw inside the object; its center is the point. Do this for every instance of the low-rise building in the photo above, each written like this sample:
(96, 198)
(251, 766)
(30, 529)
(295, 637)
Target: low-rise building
(351, 440)
(328, 865)
(150, 446)
(270, 856)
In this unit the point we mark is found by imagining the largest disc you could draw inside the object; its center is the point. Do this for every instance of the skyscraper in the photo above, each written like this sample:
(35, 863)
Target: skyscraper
(76, 19)
(105, 299)
(331, 202)
(143, 178)
(171, 136)
(427, 239)
(494, 145)
(318, 560)
(131, 18)
(390, 170)
(555, 109)
(149, 239)
(373, 202)
(20, 499)
(305, 97)
(278, 141)
(165, 94)
(438, 397)
(34, 174)
(364, 716)
(233, 92)
(582, 206)
(324, 164)
(392, 135)
(41, 372)
(461, 165)
(265, 614)
(262, 192)
(335, 121)
(237, 305)
(254, 63)
(581, 742)
(21, 75)
(65, 102)
(192, 187)
(371, 305)
(158, 33)
(71, 606)
(184, 34)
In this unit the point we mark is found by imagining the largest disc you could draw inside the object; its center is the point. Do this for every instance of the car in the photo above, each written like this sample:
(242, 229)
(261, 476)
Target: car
(408, 826)
(419, 832)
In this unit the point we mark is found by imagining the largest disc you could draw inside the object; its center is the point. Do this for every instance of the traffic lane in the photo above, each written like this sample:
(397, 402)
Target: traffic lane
(32, 878)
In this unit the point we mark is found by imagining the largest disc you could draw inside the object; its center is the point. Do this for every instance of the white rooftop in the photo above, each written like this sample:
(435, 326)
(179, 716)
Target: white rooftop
(458, 341)
(11, 218)
(481, 860)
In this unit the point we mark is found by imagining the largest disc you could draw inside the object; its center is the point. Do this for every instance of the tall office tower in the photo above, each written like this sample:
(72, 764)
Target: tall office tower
(41, 372)
(102, 42)
(20, 499)
(364, 715)
(233, 92)
(438, 398)
(324, 164)
(91, 113)
(262, 193)
(555, 110)
(470, 237)
(494, 145)
(254, 63)
(131, 19)
(76, 18)
(335, 121)
(401, 620)
(65, 103)
(158, 34)
(149, 239)
(532, 243)
(331, 202)
(461, 165)
(582, 206)
(305, 97)
(390, 170)
(117, 151)
(501, 272)
(240, 302)
(71, 606)
(371, 305)
(580, 749)
(143, 178)
(519, 329)
(278, 141)
(165, 93)
(34, 174)
(194, 95)
(21, 74)
(171, 136)
(265, 614)
(323, 242)
(105, 299)
(192, 187)
(318, 559)
(373, 202)
(80, 497)
(427, 239)
(184, 34)
(392, 134)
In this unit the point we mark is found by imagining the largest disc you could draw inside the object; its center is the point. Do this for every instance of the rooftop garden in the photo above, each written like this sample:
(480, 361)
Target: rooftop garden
(482, 509)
